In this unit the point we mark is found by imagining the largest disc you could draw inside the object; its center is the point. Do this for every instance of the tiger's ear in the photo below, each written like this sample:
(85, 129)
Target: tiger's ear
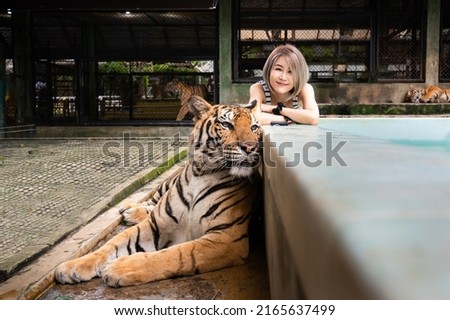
(198, 106)
(249, 105)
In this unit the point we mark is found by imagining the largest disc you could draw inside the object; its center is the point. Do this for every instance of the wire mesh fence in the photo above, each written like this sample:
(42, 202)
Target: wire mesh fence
(115, 66)
(351, 41)
(444, 56)
(151, 95)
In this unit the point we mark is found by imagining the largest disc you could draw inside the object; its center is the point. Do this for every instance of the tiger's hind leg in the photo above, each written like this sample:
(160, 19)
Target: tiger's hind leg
(445, 96)
(208, 253)
(184, 109)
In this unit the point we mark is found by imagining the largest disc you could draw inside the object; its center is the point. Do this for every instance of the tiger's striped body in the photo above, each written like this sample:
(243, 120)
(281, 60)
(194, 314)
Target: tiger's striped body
(432, 94)
(184, 91)
(445, 96)
(197, 221)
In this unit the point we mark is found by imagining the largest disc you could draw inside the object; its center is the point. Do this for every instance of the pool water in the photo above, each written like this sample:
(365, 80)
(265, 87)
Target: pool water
(440, 145)
(430, 133)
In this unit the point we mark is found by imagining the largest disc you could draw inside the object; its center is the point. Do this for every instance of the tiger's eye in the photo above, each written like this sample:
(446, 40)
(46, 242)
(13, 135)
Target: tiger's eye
(227, 125)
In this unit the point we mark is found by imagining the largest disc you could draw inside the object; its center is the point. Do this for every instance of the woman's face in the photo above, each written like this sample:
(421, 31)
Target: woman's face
(281, 78)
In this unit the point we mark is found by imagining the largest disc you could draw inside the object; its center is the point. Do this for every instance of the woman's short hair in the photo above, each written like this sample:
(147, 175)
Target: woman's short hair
(296, 63)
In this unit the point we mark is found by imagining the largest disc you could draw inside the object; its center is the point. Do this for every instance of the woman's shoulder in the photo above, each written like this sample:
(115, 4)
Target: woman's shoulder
(307, 89)
(257, 85)
(308, 86)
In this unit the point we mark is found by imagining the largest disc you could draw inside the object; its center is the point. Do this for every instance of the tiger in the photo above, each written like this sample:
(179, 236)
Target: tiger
(414, 94)
(196, 221)
(184, 91)
(432, 94)
(445, 96)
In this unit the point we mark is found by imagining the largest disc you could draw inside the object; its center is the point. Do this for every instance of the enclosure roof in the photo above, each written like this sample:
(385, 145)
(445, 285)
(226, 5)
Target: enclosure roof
(108, 5)
(115, 30)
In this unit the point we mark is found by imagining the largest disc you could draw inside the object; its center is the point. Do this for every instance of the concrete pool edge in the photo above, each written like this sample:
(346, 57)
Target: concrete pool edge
(339, 224)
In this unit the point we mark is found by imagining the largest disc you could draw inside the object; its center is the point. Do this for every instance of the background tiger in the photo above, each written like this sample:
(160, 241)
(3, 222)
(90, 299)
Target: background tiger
(445, 96)
(428, 94)
(197, 221)
(432, 94)
(413, 94)
(184, 91)
(435, 94)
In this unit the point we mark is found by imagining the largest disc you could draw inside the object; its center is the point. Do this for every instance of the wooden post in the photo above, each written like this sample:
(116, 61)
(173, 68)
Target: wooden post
(432, 45)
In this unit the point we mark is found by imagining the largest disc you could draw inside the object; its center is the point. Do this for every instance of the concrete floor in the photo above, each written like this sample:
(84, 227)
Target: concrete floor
(51, 187)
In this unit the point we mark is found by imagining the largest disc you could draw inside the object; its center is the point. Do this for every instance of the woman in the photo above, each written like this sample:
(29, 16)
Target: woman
(284, 94)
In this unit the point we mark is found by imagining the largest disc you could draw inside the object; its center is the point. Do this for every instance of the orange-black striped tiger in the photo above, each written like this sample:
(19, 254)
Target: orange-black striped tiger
(198, 220)
(184, 91)
(445, 96)
(431, 94)
(435, 94)
(414, 94)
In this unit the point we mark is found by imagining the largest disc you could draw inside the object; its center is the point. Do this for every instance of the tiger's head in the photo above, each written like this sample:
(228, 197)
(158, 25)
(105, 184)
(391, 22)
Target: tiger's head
(413, 94)
(225, 137)
(173, 88)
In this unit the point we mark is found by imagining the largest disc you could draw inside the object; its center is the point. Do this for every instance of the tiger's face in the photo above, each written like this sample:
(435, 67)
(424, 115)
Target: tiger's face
(414, 94)
(173, 88)
(224, 138)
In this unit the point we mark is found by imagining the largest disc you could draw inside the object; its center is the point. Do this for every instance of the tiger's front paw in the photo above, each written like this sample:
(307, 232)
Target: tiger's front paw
(77, 270)
(134, 213)
(128, 271)
(128, 205)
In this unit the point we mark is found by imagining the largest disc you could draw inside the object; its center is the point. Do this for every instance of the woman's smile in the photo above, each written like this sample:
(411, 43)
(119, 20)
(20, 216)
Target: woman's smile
(281, 76)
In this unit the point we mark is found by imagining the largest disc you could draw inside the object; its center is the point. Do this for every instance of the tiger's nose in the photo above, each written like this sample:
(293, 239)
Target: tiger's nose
(249, 147)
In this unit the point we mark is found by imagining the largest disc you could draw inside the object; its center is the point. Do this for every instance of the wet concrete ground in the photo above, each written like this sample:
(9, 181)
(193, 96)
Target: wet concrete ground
(246, 282)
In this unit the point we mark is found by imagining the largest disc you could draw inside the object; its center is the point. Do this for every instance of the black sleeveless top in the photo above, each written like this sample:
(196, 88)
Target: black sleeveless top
(268, 97)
